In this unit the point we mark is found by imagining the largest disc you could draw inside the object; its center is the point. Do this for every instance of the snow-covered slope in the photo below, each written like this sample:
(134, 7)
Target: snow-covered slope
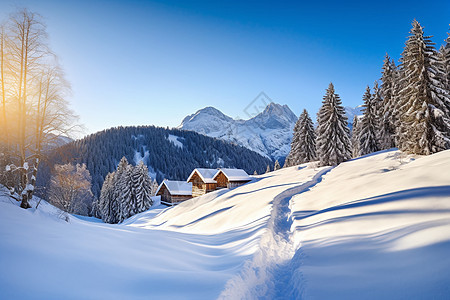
(187, 252)
(375, 227)
(268, 133)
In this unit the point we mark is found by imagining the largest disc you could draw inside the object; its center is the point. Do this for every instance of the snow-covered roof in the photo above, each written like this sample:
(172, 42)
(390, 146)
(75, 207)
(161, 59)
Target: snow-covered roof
(234, 174)
(207, 175)
(176, 187)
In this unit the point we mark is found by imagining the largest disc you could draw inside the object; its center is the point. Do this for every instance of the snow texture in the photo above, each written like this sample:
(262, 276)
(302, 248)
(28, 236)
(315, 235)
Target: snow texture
(176, 140)
(375, 227)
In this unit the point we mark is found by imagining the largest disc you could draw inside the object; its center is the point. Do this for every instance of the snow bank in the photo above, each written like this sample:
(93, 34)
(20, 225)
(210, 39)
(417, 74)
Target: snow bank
(377, 227)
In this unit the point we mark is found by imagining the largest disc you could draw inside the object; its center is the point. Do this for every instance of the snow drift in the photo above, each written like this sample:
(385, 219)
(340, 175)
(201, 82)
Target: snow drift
(373, 227)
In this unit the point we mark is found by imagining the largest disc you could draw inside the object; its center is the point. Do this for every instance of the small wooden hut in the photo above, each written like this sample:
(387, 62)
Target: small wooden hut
(230, 178)
(202, 181)
(174, 192)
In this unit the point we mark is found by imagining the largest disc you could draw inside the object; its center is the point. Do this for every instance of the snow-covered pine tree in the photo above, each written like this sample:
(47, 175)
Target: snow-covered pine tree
(255, 173)
(276, 166)
(155, 186)
(287, 160)
(398, 102)
(105, 202)
(425, 116)
(127, 199)
(445, 53)
(377, 102)
(306, 148)
(444, 67)
(142, 188)
(293, 157)
(268, 169)
(387, 111)
(333, 135)
(117, 206)
(368, 132)
(355, 136)
(95, 211)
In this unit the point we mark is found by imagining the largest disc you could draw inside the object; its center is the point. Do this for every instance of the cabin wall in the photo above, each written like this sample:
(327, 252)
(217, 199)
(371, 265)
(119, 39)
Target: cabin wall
(199, 187)
(169, 199)
(222, 180)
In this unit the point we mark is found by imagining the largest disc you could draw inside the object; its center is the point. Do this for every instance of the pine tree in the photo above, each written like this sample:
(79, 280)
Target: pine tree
(355, 136)
(105, 202)
(288, 160)
(424, 106)
(306, 148)
(368, 132)
(293, 157)
(142, 188)
(387, 112)
(276, 165)
(95, 211)
(444, 67)
(445, 58)
(333, 135)
(268, 169)
(120, 187)
(127, 199)
(377, 102)
(255, 173)
(398, 101)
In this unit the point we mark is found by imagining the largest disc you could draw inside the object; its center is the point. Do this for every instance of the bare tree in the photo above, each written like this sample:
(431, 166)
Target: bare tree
(70, 189)
(34, 106)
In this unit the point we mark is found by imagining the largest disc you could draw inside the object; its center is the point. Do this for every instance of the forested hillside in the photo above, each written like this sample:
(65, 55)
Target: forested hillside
(168, 153)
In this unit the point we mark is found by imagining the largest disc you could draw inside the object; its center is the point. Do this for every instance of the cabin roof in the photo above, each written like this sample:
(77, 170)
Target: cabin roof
(207, 175)
(177, 187)
(234, 174)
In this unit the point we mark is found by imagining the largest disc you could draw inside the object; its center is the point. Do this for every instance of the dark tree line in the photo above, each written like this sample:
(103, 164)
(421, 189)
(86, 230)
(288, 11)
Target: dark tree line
(102, 151)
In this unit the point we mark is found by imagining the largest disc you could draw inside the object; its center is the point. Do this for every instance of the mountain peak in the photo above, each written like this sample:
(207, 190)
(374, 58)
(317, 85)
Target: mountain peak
(275, 116)
(268, 133)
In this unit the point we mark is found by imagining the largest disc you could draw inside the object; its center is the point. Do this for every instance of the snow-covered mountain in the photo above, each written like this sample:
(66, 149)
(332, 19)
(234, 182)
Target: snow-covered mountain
(269, 133)
(351, 112)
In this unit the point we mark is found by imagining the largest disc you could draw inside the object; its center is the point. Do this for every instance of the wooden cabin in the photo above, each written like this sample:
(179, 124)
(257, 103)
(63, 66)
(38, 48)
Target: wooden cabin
(202, 181)
(230, 178)
(174, 192)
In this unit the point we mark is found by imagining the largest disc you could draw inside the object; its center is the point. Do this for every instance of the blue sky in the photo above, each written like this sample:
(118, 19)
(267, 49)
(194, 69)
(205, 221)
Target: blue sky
(154, 62)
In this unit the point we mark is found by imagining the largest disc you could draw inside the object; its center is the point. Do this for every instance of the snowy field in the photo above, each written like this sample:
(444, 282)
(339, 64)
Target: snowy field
(188, 251)
(375, 227)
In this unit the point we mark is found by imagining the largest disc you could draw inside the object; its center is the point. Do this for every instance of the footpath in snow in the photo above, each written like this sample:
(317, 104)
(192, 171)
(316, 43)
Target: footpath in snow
(268, 274)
